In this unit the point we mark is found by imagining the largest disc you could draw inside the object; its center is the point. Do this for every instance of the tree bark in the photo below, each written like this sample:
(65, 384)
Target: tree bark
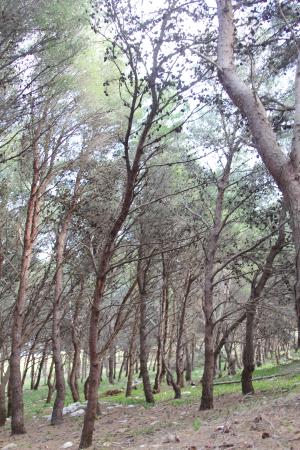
(285, 170)
(49, 383)
(3, 410)
(111, 368)
(75, 372)
(257, 288)
(30, 234)
(41, 365)
(143, 267)
(249, 351)
(209, 273)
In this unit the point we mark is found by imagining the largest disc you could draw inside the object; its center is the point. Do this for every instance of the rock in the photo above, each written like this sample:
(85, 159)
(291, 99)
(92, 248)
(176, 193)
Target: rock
(71, 408)
(79, 412)
(260, 424)
(47, 417)
(224, 428)
(8, 446)
(170, 438)
(67, 445)
(265, 435)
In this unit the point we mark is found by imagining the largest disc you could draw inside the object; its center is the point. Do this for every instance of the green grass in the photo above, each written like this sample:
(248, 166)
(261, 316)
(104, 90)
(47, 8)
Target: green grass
(35, 400)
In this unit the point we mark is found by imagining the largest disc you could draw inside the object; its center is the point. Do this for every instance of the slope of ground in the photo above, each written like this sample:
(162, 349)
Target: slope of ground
(268, 420)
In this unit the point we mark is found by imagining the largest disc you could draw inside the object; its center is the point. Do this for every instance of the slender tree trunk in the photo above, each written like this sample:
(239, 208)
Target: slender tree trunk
(3, 410)
(142, 282)
(156, 386)
(32, 374)
(49, 383)
(105, 258)
(41, 365)
(73, 382)
(208, 294)
(111, 368)
(132, 356)
(30, 234)
(248, 351)
(188, 364)
(123, 363)
(57, 412)
(26, 366)
(207, 398)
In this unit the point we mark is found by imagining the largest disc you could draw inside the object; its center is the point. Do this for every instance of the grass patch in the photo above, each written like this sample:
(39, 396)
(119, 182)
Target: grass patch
(35, 400)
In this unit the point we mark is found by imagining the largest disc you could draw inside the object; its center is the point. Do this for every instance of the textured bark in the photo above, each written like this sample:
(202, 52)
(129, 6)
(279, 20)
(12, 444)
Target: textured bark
(257, 288)
(41, 365)
(207, 399)
(3, 410)
(32, 372)
(249, 350)
(111, 369)
(108, 244)
(124, 359)
(143, 267)
(57, 415)
(211, 247)
(30, 234)
(284, 169)
(179, 344)
(163, 329)
(74, 375)
(132, 357)
(188, 364)
(61, 239)
(49, 383)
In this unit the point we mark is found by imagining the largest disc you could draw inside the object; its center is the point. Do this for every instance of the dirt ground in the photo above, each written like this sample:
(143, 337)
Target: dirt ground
(260, 422)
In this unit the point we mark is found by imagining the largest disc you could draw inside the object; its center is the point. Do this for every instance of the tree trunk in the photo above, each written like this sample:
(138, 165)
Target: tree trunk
(73, 381)
(49, 383)
(188, 364)
(41, 365)
(156, 386)
(32, 371)
(285, 169)
(248, 351)
(207, 397)
(142, 282)
(111, 368)
(123, 363)
(3, 410)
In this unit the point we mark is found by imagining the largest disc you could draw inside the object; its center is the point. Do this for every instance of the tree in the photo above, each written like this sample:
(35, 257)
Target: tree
(283, 168)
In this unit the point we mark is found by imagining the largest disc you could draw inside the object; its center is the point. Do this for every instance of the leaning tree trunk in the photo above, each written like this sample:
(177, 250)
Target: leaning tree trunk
(41, 365)
(257, 288)
(30, 234)
(73, 380)
(284, 169)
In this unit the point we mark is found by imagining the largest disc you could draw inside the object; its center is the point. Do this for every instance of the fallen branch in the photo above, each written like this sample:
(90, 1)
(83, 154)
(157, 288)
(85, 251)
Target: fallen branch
(258, 378)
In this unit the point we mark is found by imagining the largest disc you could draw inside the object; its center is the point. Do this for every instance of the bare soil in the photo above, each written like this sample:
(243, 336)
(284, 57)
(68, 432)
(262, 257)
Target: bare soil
(258, 422)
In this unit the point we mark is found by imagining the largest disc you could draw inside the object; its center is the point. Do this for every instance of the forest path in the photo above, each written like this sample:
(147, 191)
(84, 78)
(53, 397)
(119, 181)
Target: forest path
(263, 421)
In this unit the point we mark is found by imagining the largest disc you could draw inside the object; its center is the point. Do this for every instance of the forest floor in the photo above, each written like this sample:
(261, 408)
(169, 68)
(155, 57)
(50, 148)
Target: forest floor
(269, 419)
